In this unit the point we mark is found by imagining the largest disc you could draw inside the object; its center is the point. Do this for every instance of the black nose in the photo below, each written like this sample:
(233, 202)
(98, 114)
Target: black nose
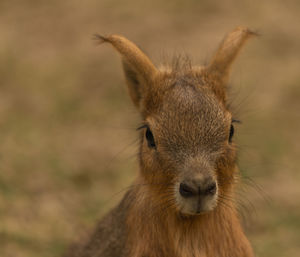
(189, 189)
(211, 189)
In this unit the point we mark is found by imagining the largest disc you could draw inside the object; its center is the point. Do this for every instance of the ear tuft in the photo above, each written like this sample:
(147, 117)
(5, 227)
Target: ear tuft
(100, 39)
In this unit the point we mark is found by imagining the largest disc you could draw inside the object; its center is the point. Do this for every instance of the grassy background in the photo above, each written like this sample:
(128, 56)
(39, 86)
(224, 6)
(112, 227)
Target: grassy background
(67, 126)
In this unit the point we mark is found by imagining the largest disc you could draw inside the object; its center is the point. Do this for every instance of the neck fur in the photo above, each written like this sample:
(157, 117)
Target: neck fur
(157, 231)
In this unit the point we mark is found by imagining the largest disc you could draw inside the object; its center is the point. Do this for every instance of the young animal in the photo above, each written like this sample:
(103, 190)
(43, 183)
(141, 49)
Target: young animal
(181, 204)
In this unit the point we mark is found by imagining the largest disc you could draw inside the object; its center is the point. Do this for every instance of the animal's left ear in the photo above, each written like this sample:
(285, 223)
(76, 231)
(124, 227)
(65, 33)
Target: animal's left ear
(219, 68)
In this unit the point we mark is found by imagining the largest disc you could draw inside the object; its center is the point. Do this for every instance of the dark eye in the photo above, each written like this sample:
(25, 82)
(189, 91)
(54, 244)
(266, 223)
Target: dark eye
(150, 138)
(231, 133)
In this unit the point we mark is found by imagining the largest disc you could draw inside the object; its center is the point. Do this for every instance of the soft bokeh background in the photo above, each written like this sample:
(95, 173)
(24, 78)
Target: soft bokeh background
(67, 126)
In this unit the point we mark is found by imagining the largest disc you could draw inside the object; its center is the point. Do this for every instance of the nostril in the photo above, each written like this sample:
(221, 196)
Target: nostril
(186, 191)
(212, 188)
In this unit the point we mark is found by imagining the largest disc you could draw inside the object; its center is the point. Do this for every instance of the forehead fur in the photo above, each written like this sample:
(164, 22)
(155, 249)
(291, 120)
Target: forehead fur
(186, 112)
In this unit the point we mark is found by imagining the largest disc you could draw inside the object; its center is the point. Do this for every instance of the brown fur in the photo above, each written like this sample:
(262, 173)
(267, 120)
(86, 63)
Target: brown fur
(185, 108)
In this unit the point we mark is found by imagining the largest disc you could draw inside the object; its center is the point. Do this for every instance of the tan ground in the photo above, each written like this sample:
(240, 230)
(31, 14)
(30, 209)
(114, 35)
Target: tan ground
(67, 127)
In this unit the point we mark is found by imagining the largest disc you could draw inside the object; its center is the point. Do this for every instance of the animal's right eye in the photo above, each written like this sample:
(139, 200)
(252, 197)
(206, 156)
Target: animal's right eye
(150, 138)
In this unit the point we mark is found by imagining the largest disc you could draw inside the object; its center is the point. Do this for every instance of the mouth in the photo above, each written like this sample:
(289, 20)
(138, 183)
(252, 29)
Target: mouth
(196, 206)
(198, 212)
(192, 215)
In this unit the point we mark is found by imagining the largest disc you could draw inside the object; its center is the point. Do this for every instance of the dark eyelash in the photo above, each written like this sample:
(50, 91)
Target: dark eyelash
(142, 127)
(236, 121)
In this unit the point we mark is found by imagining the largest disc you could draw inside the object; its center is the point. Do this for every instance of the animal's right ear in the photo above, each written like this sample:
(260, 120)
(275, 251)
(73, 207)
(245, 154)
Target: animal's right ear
(139, 70)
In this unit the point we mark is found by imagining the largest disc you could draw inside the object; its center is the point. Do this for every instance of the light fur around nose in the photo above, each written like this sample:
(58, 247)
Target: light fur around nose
(197, 186)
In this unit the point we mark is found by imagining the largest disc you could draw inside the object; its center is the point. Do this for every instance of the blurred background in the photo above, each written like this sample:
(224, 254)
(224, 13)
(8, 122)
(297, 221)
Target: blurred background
(67, 127)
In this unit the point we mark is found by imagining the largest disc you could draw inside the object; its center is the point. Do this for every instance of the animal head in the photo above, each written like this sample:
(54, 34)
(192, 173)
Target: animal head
(187, 132)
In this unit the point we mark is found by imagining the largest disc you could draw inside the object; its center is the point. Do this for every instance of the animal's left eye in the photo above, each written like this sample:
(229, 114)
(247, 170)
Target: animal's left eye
(231, 133)
(150, 138)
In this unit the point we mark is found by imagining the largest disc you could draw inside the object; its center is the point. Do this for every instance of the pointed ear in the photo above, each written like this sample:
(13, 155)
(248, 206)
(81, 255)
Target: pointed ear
(139, 70)
(219, 67)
